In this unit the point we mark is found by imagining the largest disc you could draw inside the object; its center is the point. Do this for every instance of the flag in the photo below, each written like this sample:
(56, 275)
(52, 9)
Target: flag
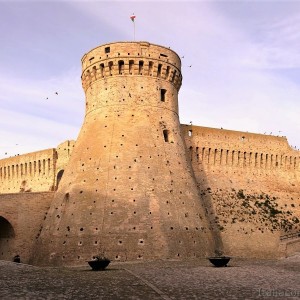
(132, 18)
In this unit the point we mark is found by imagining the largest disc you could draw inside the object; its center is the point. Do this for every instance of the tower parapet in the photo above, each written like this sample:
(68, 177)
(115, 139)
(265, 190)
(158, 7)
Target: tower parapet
(131, 58)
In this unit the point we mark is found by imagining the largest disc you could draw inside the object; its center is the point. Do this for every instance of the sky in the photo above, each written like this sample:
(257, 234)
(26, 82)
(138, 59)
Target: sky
(244, 57)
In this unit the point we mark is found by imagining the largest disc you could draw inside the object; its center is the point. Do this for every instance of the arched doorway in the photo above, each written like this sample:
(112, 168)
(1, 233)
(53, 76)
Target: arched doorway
(7, 235)
(58, 177)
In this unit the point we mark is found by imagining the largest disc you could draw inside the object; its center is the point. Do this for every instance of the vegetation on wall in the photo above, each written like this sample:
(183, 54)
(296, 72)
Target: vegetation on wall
(260, 210)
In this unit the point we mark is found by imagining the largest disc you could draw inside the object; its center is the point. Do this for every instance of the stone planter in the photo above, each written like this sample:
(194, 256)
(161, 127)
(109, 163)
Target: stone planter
(17, 259)
(219, 261)
(99, 264)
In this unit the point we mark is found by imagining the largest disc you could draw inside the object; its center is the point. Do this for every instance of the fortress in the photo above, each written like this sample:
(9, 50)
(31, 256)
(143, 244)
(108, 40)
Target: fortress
(138, 185)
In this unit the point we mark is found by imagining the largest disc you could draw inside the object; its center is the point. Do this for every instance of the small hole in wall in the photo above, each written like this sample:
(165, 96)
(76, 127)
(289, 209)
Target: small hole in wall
(78, 257)
(81, 229)
(96, 242)
(120, 242)
(171, 228)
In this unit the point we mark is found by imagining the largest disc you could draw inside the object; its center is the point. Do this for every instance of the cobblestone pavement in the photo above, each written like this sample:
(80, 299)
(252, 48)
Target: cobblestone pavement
(197, 279)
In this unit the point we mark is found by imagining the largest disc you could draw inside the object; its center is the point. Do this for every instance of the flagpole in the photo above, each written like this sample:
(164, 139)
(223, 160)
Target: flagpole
(133, 20)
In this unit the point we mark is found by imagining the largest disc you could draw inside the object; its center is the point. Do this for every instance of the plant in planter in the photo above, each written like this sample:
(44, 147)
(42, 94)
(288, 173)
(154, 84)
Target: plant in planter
(99, 263)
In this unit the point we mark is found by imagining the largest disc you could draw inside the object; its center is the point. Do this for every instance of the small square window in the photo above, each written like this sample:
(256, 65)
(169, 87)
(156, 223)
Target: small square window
(107, 49)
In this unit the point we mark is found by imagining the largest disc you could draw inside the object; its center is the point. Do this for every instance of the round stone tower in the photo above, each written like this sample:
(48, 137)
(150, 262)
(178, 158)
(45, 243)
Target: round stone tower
(128, 191)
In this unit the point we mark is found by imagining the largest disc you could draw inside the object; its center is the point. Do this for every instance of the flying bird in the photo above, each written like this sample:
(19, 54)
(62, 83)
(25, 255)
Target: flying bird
(56, 93)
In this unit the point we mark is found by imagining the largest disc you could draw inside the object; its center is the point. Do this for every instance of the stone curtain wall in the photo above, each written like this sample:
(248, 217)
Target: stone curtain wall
(64, 151)
(24, 213)
(252, 182)
(34, 172)
(242, 150)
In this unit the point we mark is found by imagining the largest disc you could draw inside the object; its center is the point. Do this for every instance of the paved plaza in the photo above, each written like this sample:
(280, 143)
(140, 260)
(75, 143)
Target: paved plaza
(194, 279)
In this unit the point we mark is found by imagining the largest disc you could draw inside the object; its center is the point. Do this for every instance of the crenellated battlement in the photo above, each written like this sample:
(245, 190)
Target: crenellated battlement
(35, 171)
(212, 147)
(131, 59)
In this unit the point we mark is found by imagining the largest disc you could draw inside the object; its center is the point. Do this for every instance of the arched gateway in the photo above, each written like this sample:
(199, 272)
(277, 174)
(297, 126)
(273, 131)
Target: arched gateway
(7, 235)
